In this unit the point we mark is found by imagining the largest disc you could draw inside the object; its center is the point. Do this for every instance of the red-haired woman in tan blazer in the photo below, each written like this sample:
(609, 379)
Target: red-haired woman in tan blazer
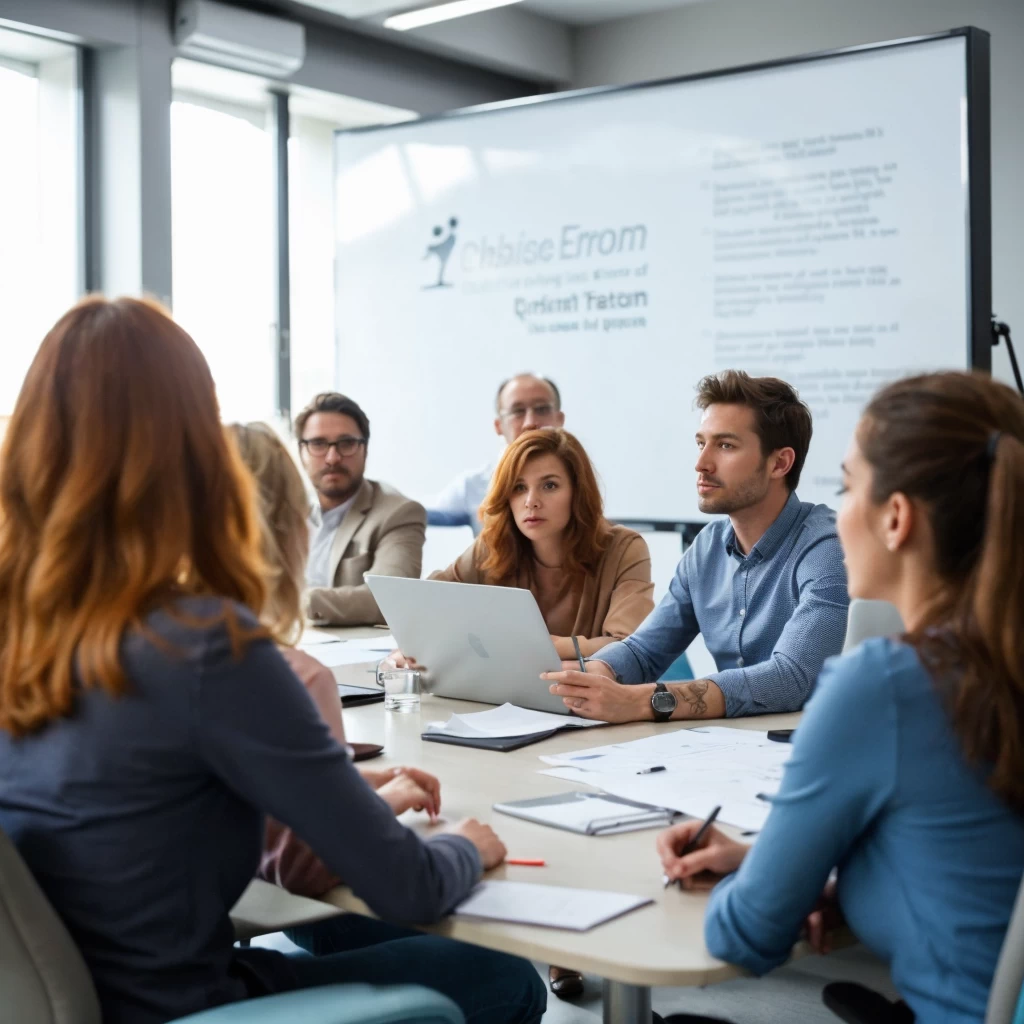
(545, 531)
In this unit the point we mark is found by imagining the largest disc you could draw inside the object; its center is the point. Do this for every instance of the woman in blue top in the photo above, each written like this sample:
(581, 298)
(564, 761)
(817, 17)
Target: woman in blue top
(907, 773)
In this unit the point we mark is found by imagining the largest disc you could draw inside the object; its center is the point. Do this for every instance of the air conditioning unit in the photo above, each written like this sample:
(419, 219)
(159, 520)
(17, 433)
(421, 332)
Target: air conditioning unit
(218, 34)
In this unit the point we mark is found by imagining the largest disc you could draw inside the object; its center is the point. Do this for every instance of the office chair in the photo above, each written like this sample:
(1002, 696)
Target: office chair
(44, 979)
(867, 619)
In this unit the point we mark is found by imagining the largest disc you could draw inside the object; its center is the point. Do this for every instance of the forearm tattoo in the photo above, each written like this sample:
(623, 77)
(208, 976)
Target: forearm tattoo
(693, 695)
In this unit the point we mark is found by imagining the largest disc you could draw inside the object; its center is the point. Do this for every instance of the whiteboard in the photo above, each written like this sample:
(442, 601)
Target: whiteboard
(807, 220)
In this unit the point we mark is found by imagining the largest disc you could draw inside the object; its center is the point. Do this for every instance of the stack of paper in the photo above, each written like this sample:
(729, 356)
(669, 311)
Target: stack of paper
(552, 906)
(383, 642)
(505, 721)
(315, 638)
(702, 768)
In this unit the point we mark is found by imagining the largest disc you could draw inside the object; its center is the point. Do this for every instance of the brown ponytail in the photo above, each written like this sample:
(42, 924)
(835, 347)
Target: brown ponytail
(954, 442)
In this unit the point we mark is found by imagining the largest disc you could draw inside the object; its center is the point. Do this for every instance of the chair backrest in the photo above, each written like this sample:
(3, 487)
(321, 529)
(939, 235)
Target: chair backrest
(867, 619)
(1006, 997)
(42, 975)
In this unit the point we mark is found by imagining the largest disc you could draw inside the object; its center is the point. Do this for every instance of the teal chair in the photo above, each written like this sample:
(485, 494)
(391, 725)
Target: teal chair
(339, 1004)
(679, 669)
(44, 979)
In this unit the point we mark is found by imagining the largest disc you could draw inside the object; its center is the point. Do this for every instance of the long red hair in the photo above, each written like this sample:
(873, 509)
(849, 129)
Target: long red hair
(119, 491)
(588, 533)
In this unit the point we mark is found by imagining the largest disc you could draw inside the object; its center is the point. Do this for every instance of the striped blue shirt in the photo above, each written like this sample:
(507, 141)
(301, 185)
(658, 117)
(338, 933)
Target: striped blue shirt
(770, 618)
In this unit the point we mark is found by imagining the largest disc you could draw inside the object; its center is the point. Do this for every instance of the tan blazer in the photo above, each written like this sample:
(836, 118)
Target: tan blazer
(615, 599)
(382, 534)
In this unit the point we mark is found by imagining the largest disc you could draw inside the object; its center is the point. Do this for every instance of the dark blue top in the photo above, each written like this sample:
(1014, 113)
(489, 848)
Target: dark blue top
(929, 859)
(769, 617)
(142, 817)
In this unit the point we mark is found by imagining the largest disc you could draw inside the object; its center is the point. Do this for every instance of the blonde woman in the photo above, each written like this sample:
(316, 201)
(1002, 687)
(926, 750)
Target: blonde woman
(282, 507)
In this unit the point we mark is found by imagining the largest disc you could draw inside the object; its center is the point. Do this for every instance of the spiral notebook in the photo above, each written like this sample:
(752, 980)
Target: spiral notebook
(590, 814)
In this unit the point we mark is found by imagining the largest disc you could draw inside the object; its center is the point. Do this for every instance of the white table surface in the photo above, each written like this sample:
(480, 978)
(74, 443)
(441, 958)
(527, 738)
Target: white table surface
(660, 944)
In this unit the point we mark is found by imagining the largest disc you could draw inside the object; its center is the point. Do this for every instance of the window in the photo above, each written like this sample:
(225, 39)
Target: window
(222, 193)
(315, 117)
(40, 258)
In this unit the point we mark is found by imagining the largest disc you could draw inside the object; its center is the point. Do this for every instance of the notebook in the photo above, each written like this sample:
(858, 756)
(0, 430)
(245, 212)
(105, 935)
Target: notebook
(590, 814)
(353, 696)
(552, 906)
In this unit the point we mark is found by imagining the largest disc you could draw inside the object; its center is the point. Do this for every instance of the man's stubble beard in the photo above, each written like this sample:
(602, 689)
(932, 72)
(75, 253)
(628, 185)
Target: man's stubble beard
(341, 494)
(749, 493)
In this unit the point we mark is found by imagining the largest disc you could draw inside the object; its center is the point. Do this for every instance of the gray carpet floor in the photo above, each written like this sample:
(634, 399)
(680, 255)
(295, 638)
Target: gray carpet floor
(790, 995)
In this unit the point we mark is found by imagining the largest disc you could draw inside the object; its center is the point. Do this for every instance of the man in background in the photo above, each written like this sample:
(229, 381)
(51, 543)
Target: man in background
(357, 526)
(765, 585)
(524, 402)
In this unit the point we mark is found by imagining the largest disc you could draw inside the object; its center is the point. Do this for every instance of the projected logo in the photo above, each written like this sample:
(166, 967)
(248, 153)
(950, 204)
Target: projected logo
(441, 248)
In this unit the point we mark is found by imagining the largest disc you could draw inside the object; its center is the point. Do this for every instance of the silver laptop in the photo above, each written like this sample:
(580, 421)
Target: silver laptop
(481, 643)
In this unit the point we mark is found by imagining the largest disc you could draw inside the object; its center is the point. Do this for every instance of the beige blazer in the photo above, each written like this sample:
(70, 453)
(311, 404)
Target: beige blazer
(382, 534)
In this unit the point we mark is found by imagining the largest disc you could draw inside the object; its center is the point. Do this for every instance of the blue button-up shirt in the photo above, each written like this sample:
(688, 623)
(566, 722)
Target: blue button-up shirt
(769, 618)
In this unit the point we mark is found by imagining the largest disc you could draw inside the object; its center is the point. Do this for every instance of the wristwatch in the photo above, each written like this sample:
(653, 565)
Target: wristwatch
(663, 702)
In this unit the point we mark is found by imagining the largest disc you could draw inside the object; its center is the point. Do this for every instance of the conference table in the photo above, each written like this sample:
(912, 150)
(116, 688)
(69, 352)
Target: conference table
(661, 944)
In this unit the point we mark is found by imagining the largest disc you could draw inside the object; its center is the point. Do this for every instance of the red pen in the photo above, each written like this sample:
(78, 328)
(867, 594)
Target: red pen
(526, 862)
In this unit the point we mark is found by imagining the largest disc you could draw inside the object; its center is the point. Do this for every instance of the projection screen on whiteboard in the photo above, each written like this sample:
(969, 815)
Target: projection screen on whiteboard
(810, 220)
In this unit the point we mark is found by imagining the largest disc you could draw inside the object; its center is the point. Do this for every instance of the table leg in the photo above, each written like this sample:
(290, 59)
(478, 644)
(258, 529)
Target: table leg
(626, 1004)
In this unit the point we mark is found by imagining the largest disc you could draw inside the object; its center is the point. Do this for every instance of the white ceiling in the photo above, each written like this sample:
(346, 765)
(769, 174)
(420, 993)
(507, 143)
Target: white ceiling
(531, 39)
(570, 12)
(589, 12)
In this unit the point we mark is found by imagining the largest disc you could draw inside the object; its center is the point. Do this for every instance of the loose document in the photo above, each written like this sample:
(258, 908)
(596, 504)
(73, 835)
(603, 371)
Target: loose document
(738, 768)
(506, 721)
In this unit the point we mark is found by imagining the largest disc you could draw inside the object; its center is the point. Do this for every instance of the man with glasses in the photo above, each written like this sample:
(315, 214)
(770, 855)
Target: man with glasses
(357, 526)
(524, 402)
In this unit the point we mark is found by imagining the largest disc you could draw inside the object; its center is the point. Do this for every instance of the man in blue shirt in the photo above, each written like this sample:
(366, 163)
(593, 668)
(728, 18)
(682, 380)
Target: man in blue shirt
(766, 588)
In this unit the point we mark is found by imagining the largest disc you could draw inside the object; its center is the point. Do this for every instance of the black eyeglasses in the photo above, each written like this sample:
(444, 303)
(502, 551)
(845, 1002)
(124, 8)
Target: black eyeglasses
(541, 411)
(320, 446)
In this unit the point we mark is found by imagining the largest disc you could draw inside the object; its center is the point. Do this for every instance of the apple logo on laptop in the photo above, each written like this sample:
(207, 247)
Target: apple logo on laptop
(474, 642)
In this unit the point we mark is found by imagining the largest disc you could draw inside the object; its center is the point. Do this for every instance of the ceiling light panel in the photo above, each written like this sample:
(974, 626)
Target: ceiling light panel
(442, 12)
(359, 8)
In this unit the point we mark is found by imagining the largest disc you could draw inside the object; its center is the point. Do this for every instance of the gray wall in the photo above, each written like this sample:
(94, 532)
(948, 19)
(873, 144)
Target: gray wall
(723, 33)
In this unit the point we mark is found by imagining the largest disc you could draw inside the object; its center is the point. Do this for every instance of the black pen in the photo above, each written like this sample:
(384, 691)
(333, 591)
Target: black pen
(579, 654)
(694, 843)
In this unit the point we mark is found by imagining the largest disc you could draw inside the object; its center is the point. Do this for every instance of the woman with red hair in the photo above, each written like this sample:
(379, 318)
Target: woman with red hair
(544, 530)
(148, 722)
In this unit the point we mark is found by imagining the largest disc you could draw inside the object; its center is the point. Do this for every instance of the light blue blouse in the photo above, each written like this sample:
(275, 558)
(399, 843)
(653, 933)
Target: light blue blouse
(929, 859)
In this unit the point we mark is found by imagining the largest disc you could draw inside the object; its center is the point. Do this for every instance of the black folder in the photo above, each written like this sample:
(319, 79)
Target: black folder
(490, 742)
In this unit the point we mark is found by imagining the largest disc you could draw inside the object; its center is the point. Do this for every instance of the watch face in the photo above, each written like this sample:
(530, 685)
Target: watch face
(662, 701)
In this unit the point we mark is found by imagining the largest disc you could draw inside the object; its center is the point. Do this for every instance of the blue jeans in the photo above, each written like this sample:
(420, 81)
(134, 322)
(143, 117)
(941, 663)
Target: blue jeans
(489, 987)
